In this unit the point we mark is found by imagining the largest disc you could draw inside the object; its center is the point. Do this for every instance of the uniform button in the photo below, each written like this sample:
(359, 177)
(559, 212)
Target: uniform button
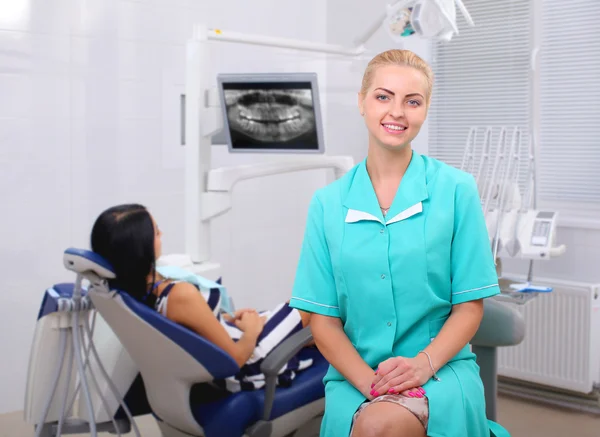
(382, 276)
(389, 323)
(381, 230)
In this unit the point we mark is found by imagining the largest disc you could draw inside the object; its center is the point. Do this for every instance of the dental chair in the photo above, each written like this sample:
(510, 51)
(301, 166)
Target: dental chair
(178, 366)
(175, 369)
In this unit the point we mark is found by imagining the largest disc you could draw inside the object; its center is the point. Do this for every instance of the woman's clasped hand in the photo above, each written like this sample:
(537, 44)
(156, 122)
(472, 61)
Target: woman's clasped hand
(402, 376)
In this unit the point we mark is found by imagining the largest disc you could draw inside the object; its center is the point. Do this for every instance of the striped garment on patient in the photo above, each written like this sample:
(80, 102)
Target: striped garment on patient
(282, 322)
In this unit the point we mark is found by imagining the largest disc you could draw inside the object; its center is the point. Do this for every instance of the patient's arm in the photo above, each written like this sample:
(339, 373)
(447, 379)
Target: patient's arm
(188, 308)
(334, 345)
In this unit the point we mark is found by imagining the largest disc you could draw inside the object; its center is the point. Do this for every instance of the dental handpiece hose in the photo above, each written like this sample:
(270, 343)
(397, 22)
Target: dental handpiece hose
(77, 348)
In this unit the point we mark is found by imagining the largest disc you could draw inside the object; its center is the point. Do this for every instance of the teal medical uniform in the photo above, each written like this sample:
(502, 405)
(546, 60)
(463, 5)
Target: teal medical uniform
(393, 281)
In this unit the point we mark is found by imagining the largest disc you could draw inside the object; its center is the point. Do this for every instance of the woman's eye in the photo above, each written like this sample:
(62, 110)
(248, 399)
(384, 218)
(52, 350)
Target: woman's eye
(414, 102)
(381, 97)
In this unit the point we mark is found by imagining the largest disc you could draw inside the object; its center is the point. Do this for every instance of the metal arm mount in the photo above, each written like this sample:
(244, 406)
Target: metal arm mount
(270, 367)
(72, 305)
(217, 198)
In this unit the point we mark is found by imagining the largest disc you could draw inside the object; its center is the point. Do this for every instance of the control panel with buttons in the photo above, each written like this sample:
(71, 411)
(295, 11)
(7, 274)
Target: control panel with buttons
(542, 227)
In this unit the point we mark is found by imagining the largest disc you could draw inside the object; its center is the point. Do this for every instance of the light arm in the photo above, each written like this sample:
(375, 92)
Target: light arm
(284, 43)
(224, 179)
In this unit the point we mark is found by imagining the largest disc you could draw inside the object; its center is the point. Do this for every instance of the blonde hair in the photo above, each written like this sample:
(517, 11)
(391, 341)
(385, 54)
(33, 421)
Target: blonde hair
(397, 57)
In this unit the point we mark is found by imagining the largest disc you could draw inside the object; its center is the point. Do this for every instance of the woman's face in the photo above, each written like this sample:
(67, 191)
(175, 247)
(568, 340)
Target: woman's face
(395, 106)
(157, 239)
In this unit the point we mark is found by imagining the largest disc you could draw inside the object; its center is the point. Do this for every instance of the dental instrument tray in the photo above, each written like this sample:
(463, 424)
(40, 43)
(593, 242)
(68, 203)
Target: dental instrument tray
(518, 292)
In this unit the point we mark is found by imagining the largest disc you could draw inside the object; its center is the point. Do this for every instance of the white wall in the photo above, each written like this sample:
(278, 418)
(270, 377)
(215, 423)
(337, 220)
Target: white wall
(89, 118)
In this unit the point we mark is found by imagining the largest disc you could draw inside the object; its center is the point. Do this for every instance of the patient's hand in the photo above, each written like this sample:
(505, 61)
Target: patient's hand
(238, 314)
(251, 323)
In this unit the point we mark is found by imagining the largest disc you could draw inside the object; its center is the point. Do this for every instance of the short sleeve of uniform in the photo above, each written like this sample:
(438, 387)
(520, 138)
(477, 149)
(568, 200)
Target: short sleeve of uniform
(314, 288)
(472, 264)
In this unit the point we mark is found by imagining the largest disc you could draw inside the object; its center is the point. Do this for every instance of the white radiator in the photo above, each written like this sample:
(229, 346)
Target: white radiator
(562, 339)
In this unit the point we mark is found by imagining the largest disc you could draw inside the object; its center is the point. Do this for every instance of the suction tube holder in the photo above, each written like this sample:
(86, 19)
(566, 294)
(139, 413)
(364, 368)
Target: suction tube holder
(73, 307)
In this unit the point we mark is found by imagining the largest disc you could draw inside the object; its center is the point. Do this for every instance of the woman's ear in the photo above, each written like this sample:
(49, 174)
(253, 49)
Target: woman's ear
(361, 105)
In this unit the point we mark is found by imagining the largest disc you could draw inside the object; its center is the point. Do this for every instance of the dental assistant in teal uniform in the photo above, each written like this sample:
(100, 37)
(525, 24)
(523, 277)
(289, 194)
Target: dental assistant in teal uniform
(394, 267)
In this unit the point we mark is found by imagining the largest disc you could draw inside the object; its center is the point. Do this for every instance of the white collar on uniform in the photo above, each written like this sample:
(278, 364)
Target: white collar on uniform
(355, 215)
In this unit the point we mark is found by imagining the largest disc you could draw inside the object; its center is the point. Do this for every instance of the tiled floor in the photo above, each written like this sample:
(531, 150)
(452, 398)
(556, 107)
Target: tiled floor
(522, 419)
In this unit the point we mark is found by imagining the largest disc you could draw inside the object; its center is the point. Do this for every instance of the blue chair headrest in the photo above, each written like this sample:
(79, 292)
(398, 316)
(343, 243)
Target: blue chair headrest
(81, 261)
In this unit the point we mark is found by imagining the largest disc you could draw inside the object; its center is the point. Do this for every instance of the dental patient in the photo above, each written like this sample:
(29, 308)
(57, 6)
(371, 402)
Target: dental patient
(128, 238)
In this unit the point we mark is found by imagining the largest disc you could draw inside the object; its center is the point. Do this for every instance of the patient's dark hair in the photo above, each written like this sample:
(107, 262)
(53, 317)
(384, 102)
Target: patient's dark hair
(124, 236)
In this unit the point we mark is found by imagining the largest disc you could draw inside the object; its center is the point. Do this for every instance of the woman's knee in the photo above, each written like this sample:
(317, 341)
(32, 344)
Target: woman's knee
(371, 424)
(385, 419)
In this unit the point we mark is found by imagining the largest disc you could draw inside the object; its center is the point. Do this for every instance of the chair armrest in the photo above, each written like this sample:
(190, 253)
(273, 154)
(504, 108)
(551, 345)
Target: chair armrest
(501, 325)
(275, 361)
(285, 351)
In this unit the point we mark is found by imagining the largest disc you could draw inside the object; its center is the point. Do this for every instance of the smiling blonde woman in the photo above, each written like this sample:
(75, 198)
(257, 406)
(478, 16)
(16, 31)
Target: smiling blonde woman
(394, 267)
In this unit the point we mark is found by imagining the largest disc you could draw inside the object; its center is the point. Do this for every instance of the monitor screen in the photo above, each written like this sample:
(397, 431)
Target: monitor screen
(273, 113)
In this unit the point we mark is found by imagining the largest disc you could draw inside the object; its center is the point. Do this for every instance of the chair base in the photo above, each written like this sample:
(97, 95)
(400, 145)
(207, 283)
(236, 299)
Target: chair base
(168, 431)
(302, 422)
(78, 426)
(298, 423)
(310, 429)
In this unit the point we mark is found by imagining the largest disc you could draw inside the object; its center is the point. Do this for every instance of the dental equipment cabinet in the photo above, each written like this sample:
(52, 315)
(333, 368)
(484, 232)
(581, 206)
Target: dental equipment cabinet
(517, 228)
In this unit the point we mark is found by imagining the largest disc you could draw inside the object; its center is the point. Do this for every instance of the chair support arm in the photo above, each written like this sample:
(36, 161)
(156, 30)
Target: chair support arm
(276, 360)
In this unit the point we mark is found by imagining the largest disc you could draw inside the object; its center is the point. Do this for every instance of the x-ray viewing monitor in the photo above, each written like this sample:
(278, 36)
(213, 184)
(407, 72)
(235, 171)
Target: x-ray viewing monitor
(271, 113)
